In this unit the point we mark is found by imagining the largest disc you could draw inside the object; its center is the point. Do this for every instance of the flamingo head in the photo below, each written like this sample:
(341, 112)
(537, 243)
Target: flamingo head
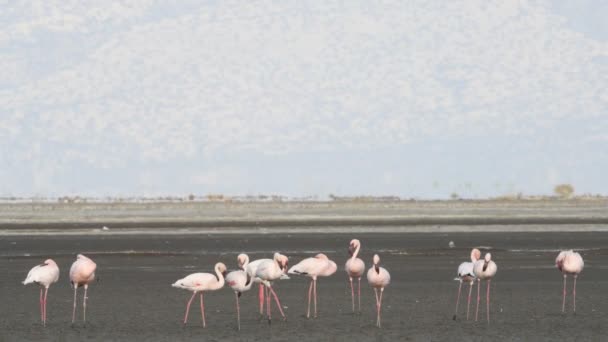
(352, 247)
(221, 268)
(475, 254)
(282, 260)
(49, 262)
(242, 260)
(321, 256)
(487, 258)
(376, 263)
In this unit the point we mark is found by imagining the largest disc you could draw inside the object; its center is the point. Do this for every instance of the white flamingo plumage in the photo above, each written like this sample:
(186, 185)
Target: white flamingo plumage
(314, 267)
(466, 274)
(44, 275)
(240, 281)
(378, 278)
(484, 270)
(199, 283)
(268, 271)
(569, 263)
(82, 273)
(355, 268)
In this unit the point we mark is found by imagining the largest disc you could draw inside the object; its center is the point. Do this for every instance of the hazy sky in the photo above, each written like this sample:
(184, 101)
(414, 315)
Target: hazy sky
(409, 98)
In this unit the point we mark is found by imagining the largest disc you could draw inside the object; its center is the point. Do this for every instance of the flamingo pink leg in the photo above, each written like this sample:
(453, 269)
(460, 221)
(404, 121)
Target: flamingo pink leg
(458, 299)
(309, 295)
(46, 291)
(488, 299)
(574, 295)
(188, 308)
(352, 293)
(477, 309)
(564, 295)
(276, 300)
(41, 307)
(261, 297)
(359, 289)
(380, 307)
(315, 291)
(268, 309)
(84, 304)
(74, 309)
(469, 301)
(238, 311)
(203, 310)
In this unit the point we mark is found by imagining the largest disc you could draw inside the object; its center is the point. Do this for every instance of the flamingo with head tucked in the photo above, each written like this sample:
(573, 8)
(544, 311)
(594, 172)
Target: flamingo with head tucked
(466, 274)
(484, 270)
(44, 274)
(379, 278)
(355, 268)
(82, 273)
(240, 281)
(569, 263)
(321, 266)
(199, 283)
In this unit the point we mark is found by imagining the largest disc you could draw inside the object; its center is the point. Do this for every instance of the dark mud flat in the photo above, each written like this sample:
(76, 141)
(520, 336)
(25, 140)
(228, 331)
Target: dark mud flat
(133, 300)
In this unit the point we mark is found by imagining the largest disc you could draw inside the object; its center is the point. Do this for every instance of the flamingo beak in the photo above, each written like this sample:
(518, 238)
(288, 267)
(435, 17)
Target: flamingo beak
(351, 250)
(377, 268)
(485, 265)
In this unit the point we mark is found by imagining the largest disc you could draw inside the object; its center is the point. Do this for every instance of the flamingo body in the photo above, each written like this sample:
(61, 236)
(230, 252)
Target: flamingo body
(569, 263)
(82, 273)
(44, 274)
(466, 273)
(378, 278)
(355, 268)
(268, 271)
(484, 270)
(240, 281)
(314, 267)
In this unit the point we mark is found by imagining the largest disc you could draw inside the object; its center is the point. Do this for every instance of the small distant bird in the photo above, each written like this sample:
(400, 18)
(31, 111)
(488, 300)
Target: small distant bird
(484, 270)
(82, 273)
(320, 265)
(466, 274)
(239, 281)
(569, 262)
(269, 271)
(355, 268)
(200, 282)
(451, 244)
(44, 275)
(378, 278)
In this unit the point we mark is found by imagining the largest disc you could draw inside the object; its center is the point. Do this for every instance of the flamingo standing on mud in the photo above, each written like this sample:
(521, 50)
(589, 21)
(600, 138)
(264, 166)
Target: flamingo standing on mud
(355, 268)
(466, 274)
(82, 273)
(569, 262)
(44, 274)
(251, 268)
(269, 271)
(240, 281)
(200, 282)
(320, 265)
(379, 278)
(484, 270)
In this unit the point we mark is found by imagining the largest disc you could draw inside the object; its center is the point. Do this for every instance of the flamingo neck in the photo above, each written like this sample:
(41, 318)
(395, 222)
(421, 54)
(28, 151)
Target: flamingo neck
(356, 252)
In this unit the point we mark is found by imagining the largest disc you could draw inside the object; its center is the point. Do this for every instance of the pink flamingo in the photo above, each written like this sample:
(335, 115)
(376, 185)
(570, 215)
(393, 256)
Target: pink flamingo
(320, 265)
(379, 278)
(269, 271)
(44, 274)
(569, 262)
(355, 268)
(240, 281)
(466, 274)
(82, 273)
(484, 270)
(251, 269)
(200, 282)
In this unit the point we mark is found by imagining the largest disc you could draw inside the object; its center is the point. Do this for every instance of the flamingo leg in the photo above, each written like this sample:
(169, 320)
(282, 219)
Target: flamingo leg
(41, 307)
(564, 295)
(574, 294)
(203, 310)
(46, 291)
(315, 291)
(359, 289)
(84, 304)
(261, 298)
(276, 300)
(352, 292)
(74, 309)
(309, 295)
(380, 307)
(477, 309)
(238, 310)
(488, 299)
(469, 301)
(268, 308)
(188, 308)
(377, 305)
(457, 299)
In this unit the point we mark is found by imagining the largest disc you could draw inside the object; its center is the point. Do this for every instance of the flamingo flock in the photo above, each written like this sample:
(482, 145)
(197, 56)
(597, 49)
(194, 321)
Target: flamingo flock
(266, 271)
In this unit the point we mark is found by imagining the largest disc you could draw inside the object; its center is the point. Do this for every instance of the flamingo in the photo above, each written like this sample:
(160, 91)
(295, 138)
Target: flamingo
(82, 273)
(44, 274)
(484, 270)
(200, 282)
(378, 278)
(355, 268)
(240, 281)
(320, 265)
(569, 262)
(466, 274)
(268, 271)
